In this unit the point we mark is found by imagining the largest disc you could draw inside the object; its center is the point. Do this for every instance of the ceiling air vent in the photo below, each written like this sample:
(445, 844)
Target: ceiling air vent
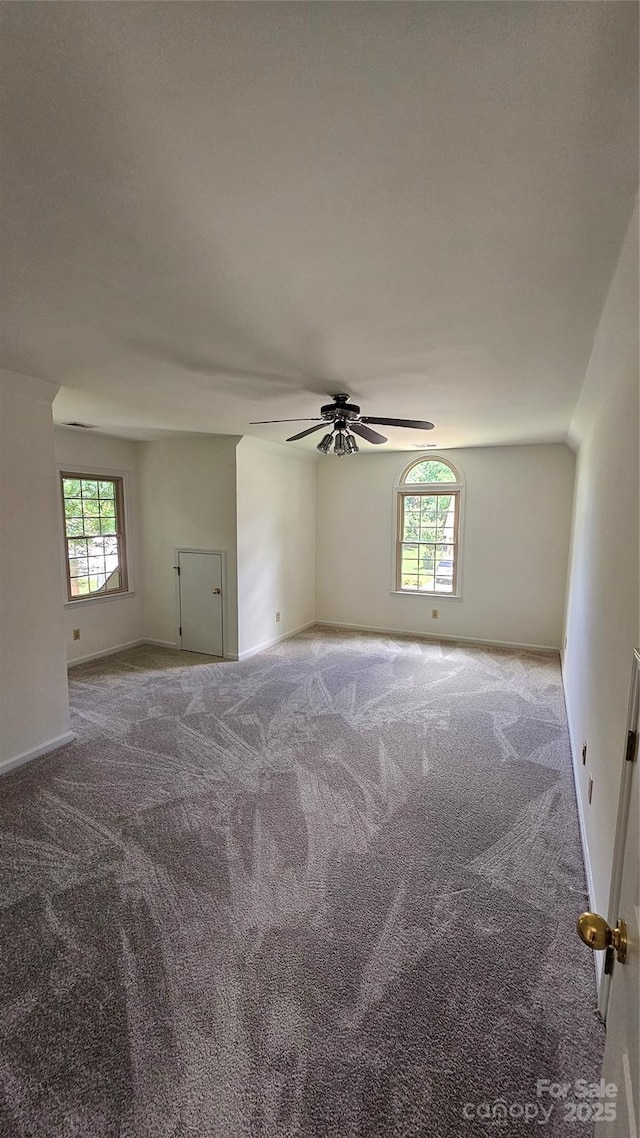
(84, 426)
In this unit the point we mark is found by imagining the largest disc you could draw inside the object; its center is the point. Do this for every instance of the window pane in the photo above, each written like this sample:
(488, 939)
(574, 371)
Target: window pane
(110, 545)
(89, 489)
(114, 580)
(106, 489)
(71, 487)
(446, 517)
(73, 507)
(430, 470)
(409, 566)
(411, 529)
(409, 580)
(444, 569)
(427, 559)
(92, 526)
(75, 527)
(108, 524)
(77, 548)
(425, 568)
(79, 586)
(95, 546)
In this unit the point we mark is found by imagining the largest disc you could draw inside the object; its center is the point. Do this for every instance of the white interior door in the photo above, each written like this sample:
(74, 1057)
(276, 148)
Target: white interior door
(622, 1048)
(200, 587)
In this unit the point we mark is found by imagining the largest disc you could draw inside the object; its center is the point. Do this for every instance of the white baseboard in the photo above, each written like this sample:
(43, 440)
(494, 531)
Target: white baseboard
(35, 752)
(276, 640)
(104, 652)
(408, 634)
(121, 648)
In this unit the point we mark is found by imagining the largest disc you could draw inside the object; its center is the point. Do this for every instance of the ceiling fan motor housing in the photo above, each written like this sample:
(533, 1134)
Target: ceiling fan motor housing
(340, 409)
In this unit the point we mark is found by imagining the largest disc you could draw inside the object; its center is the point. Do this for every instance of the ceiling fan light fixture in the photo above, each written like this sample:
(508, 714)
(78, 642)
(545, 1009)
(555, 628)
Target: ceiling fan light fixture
(340, 447)
(351, 444)
(325, 443)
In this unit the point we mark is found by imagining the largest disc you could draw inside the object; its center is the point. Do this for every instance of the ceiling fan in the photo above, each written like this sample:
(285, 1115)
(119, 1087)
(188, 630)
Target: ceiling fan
(346, 422)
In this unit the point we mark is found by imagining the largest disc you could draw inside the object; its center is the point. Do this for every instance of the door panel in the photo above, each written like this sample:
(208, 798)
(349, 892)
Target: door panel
(200, 580)
(622, 1048)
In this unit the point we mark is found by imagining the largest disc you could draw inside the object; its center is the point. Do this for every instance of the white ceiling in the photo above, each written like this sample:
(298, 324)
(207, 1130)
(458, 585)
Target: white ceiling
(215, 213)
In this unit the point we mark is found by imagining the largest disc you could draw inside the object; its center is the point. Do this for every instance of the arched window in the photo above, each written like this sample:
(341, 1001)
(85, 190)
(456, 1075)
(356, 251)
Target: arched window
(428, 538)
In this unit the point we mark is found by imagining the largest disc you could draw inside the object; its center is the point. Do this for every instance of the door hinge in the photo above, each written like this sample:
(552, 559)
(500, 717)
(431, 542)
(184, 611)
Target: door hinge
(632, 745)
(178, 568)
(609, 957)
(180, 630)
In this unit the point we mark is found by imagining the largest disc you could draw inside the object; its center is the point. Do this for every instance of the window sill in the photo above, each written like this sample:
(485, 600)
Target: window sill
(426, 596)
(99, 600)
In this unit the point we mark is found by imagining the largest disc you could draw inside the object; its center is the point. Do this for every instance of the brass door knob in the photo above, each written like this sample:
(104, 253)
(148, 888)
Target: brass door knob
(215, 590)
(598, 934)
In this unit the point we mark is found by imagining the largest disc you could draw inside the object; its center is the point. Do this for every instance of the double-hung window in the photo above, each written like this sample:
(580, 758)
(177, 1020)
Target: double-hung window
(94, 535)
(428, 537)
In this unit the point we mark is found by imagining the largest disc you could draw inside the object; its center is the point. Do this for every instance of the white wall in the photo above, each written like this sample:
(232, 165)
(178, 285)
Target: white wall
(187, 499)
(276, 513)
(602, 597)
(514, 554)
(34, 706)
(110, 622)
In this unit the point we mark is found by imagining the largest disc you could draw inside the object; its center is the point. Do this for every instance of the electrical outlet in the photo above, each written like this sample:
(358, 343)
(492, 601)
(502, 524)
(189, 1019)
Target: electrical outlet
(277, 617)
(76, 634)
(434, 614)
(590, 790)
(584, 754)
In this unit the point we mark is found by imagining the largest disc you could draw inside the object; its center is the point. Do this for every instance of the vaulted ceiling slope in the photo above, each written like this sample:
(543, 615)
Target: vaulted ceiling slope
(214, 213)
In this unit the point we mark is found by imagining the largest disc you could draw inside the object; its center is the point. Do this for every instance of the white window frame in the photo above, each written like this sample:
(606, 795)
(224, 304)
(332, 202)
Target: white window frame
(94, 472)
(403, 489)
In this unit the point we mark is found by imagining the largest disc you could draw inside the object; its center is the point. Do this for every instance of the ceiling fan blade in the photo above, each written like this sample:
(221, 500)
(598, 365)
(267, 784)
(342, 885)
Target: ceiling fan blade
(365, 432)
(309, 431)
(263, 422)
(417, 424)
